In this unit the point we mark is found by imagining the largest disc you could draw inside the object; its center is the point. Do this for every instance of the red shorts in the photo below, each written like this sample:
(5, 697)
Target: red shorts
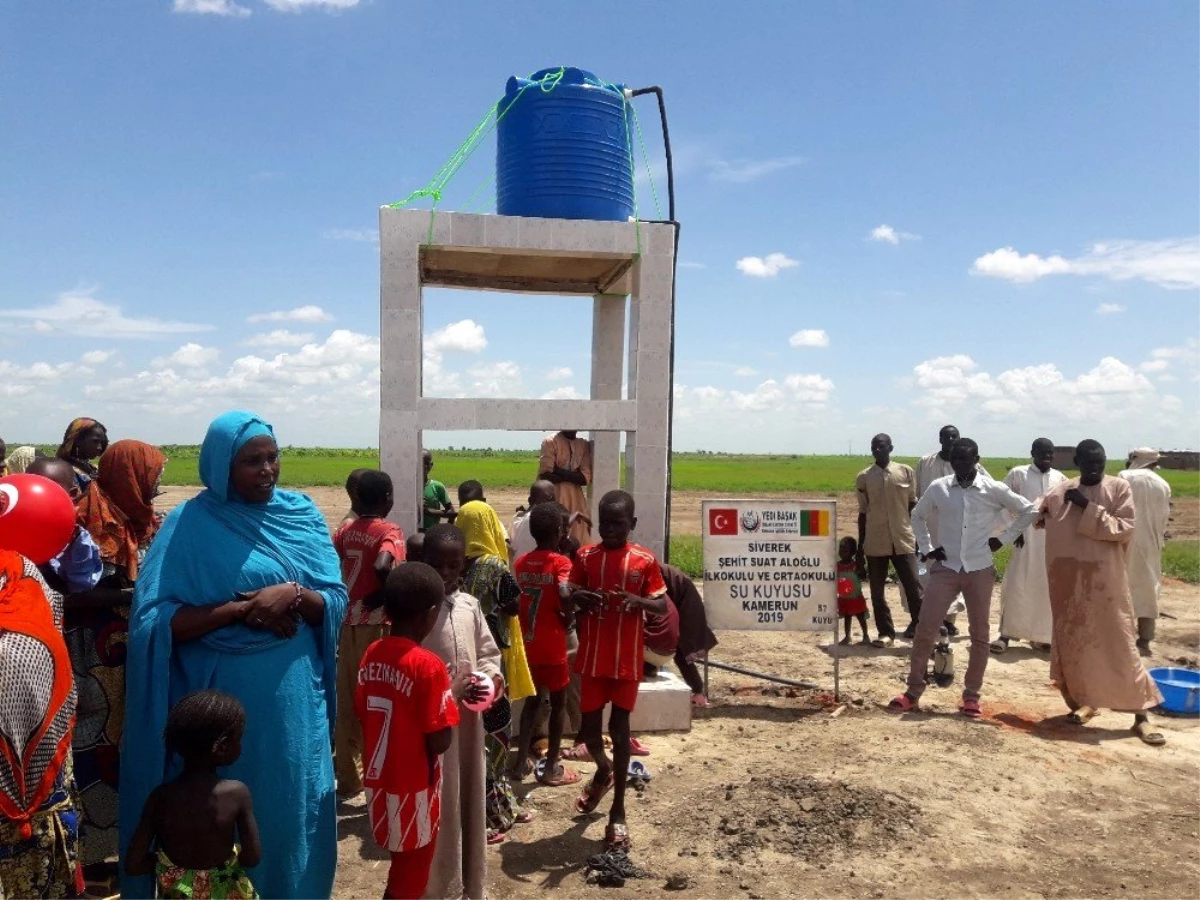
(409, 873)
(595, 692)
(553, 678)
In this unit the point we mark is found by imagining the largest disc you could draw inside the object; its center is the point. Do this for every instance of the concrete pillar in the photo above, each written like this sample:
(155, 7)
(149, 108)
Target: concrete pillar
(608, 344)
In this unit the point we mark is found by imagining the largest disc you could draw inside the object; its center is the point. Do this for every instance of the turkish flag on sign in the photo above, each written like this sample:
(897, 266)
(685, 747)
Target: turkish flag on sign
(723, 521)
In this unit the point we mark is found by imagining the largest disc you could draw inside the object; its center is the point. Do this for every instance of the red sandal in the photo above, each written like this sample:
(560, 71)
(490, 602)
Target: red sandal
(587, 802)
(903, 703)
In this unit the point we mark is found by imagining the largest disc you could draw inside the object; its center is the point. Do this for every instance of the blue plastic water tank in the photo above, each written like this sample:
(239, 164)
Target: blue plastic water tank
(563, 152)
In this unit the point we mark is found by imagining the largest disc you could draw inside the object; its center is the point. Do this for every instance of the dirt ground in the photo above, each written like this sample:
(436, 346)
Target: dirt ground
(779, 792)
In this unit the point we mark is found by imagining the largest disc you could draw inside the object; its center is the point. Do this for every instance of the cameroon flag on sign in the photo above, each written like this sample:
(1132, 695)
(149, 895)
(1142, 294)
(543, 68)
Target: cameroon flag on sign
(814, 523)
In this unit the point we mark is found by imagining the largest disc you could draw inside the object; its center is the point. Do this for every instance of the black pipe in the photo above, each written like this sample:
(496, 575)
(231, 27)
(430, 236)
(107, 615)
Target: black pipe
(662, 115)
(807, 685)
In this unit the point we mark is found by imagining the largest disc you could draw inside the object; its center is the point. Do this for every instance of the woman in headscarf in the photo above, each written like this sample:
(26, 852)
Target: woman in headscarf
(84, 440)
(118, 512)
(487, 578)
(18, 461)
(242, 592)
(38, 828)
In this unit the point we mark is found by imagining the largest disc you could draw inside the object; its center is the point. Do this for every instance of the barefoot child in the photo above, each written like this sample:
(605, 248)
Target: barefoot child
(615, 583)
(546, 616)
(196, 820)
(851, 601)
(406, 705)
(461, 638)
(368, 547)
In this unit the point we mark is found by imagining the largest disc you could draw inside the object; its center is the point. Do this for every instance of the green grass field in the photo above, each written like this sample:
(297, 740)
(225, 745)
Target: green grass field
(719, 473)
(691, 472)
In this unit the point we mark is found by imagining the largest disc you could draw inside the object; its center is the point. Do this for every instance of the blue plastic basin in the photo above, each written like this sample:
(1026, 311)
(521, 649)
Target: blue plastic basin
(1180, 689)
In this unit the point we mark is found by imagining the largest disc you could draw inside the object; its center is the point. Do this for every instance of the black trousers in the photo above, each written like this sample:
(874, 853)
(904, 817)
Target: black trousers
(905, 565)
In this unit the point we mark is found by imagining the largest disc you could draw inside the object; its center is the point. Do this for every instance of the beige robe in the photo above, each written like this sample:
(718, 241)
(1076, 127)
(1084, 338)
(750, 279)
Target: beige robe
(460, 636)
(561, 452)
(1152, 503)
(1093, 657)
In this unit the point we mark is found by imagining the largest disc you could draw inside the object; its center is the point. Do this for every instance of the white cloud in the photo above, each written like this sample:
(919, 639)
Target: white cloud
(765, 267)
(1109, 309)
(278, 339)
(300, 5)
(745, 372)
(78, 312)
(889, 235)
(565, 392)
(809, 337)
(308, 314)
(560, 374)
(96, 357)
(498, 379)
(1173, 263)
(735, 409)
(465, 336)
(189, 356)
(1155, 365)
(1111, 401)
(744, 171)
(364, 235)
(211, 8)
(1010, 265)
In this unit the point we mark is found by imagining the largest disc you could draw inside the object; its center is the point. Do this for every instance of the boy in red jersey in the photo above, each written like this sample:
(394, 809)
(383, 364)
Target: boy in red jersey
(368, 546)
(406, 705)
(546, 615)
(615, 583)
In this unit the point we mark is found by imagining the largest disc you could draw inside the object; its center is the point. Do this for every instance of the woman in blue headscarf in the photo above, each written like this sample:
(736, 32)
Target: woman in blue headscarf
(241, 592)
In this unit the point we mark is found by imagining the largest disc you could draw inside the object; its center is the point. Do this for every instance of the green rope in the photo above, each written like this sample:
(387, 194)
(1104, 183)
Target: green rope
(646, 161)
(637, 222)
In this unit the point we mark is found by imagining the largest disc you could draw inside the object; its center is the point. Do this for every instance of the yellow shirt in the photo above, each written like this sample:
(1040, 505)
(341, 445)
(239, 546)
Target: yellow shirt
(885, 496)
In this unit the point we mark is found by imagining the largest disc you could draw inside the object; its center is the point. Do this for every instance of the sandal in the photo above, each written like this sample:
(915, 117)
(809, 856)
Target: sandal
(1153, 738)
(616, 837)
(638, 770)
(495, 837)
(699, 701)
(1082, 715)
(637, 748)
(577, 753)
(524, 817)
(562, 775)
(587, 802)
(998, 647)
(883, 642)
(903, 703)
(844, 642)
(971, 709)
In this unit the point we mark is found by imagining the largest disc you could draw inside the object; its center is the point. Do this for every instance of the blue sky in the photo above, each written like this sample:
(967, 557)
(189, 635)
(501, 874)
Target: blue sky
(893, 216)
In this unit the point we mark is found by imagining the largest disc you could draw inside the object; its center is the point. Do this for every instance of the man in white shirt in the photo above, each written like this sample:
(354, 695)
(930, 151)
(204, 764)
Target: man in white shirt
(1152, 509)
(522, 541)
(969, 505)
(932, 467)
(1025, 593)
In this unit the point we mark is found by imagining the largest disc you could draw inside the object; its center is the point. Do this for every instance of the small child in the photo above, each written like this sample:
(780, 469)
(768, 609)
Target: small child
(615, 583)
(406, 705)
(851, 602)
(462, 640)
(196, 820)
(352, 492)
(414, 547)
(546, 615)
(79, 567)
(436, 500)
(369, 546)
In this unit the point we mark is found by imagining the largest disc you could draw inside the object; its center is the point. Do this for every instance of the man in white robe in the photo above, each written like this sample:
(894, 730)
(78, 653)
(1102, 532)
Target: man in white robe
(1152, 505)
(1025, 592)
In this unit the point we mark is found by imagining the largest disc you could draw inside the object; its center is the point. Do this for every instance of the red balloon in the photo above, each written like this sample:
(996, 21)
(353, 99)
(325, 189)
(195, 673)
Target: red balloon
(37, 517)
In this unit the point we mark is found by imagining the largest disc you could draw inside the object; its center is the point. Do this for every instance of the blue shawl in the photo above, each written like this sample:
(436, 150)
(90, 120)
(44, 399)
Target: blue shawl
(208, 548)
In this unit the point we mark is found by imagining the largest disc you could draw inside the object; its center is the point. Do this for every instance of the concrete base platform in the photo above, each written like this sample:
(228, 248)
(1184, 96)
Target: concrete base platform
(664, 704)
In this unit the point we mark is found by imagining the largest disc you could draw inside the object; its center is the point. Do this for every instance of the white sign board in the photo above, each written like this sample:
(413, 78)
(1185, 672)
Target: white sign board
(770, 565)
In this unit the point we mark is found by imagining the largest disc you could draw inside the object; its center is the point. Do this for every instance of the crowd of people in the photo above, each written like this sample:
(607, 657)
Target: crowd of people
(1082, 583)
(191, 697)
(223, 677)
